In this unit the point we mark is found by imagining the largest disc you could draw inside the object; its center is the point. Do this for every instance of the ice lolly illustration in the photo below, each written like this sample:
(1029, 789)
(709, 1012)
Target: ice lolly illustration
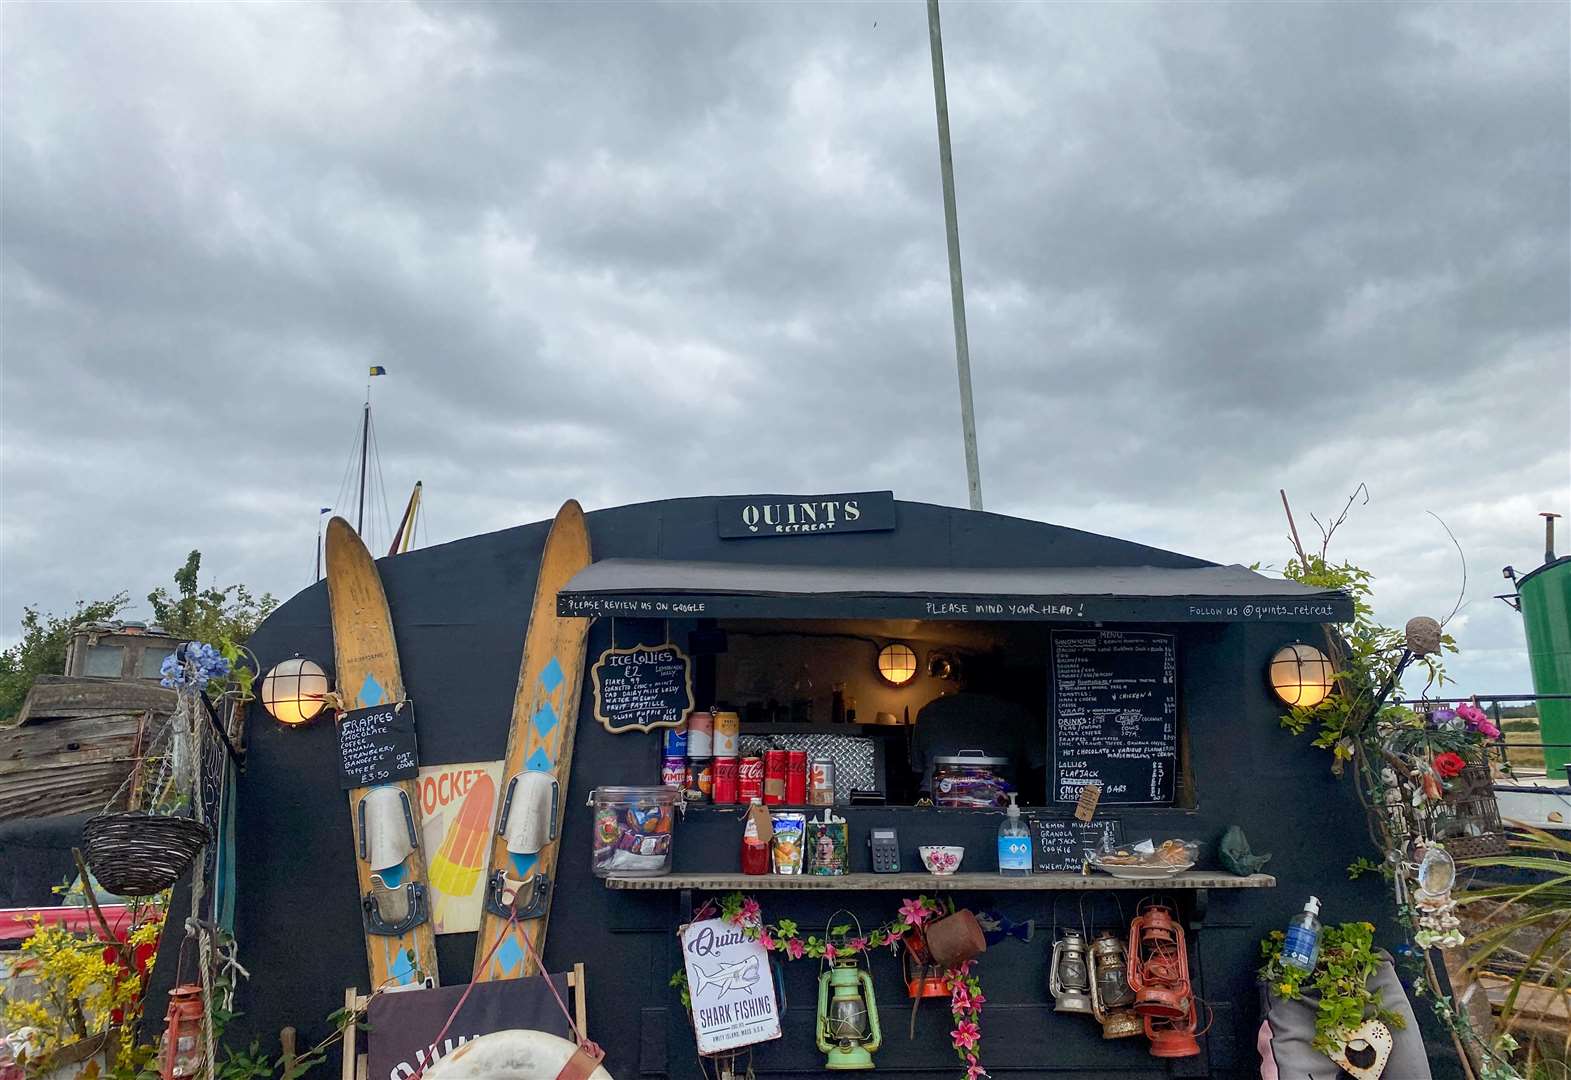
(457, 865)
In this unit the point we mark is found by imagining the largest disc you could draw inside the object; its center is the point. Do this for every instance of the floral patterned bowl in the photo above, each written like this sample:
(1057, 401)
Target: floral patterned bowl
(941, 859)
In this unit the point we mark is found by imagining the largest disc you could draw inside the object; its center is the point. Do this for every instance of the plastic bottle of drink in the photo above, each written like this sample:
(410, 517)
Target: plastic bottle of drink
(1302, 948)
(755, 852)
(1014, 843)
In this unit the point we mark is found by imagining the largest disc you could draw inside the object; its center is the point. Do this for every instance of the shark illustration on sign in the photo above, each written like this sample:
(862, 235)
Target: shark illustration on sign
(742, 975)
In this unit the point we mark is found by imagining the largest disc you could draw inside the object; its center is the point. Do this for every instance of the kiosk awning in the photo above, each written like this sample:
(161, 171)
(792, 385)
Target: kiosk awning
(658, 588)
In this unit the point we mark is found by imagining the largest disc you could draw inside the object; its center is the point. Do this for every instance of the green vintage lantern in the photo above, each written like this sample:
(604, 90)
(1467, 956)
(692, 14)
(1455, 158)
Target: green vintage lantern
(848, 1030)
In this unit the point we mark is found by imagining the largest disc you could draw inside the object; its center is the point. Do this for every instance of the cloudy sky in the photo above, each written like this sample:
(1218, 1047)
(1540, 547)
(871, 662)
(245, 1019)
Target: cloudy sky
(621, 252)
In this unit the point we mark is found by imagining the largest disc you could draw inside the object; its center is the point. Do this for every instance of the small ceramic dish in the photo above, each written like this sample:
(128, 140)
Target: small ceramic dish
(941, 859)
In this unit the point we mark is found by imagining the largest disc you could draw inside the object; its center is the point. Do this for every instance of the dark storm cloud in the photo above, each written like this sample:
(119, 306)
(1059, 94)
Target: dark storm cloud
(631, 251)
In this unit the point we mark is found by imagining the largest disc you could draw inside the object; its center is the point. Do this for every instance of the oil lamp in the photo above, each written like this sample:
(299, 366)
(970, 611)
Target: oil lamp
(923, 977)
(1111, 995)
(848, 1030)
(183, 1033)
(1069, 976)
(1159, 975)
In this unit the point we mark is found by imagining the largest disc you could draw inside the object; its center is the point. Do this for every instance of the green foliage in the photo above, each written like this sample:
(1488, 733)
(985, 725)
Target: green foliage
(229, 614)
(41, 651)
(1361, 866)
(1340, 981)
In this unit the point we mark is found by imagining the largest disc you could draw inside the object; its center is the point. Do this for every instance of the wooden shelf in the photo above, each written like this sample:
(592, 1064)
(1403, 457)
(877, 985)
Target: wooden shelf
(1190, 879)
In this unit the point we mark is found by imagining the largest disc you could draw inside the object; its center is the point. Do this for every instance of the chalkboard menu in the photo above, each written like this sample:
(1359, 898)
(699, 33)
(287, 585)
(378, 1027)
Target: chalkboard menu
(377, 745)
(648, 686)
(1061, 843)
(1115, 715)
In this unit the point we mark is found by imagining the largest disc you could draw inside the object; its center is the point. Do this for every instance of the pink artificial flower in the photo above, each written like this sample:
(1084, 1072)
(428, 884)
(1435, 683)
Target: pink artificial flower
(856, 945)
(966, 1035)
(974, 1068)
(960, 999)
(794, 948)
(766, 940)
(752, 913)
(913, 912)
(1478, 720)
(830, 952)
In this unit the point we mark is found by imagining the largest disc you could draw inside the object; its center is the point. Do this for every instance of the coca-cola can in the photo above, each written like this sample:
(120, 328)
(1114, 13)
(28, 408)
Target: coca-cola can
(796, 778)
(750, 779)
(673, 770)
(821, 782)
(727, 775)
(776, 763)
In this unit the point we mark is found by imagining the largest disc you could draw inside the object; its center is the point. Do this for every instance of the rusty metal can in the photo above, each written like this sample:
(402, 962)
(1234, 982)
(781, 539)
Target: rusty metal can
(727, 734)
(750, 779)
(796, 778)
(821, 782)
(673, 770)
(727, 771)
(776, 763)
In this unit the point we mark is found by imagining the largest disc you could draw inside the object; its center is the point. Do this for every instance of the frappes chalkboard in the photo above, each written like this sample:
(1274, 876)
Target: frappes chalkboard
(377, 745)
(1061, 843)
(649, 686)
(1115, 715)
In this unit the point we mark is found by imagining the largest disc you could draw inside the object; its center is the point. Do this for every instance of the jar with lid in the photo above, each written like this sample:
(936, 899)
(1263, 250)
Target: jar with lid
(634, 829)
(969, 780)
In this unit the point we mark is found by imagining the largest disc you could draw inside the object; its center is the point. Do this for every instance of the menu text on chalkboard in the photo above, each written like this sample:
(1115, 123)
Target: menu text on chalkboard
(1115, 715)
(648, 686)
(377, 745)
(1060, 844)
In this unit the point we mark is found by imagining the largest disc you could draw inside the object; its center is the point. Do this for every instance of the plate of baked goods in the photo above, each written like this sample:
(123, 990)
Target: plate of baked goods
(1146, 859)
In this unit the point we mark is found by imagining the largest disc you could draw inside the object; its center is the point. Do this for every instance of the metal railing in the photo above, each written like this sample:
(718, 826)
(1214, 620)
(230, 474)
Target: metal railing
(1493, 708)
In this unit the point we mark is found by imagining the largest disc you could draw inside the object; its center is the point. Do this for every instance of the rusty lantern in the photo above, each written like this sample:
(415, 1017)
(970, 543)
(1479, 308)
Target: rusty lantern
(1159, 975)
(923, 977)
(183, 1033)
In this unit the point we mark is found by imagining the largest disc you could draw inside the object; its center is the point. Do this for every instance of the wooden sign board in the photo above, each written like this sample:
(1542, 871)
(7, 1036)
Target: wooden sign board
(1060, 844)
(754, 516)
(377, 745)
(642, 688)
(731, 987)
(1115, 715)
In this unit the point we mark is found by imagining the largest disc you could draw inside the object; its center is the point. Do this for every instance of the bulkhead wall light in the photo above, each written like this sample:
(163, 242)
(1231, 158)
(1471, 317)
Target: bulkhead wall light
(294, 691)
(1300, 675)
(897, 663)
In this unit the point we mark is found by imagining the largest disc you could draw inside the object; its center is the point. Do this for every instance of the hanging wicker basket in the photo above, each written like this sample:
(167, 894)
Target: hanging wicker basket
(137, 854)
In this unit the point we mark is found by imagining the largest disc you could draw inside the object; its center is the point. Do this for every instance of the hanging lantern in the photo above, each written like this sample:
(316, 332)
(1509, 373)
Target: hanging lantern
(183, 1033)
(1111, 995)
(1069, 975)
(1158, 960)
(923, 977)
(848, 1030)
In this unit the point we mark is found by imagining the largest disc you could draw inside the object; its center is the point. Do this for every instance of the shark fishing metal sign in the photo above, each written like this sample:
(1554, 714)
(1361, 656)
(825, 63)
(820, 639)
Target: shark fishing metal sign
(731, 986)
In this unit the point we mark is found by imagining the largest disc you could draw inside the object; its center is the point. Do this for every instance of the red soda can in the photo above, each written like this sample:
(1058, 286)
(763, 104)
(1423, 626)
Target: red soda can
(727, 774)
(673, 770)
(796, 778)
(776, 763)
(750, 779)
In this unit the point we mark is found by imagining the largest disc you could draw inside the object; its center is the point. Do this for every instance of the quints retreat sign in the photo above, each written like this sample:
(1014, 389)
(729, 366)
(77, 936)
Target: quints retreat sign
(750, 516)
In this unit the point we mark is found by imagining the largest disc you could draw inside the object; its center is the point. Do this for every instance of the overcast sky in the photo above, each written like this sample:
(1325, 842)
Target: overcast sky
(623, 252)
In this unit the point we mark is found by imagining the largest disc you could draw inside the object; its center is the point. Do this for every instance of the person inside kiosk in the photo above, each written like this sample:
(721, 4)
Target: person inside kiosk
(978, 728)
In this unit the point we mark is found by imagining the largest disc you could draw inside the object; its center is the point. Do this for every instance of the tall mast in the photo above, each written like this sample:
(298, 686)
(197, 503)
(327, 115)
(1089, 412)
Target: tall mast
(365, 443)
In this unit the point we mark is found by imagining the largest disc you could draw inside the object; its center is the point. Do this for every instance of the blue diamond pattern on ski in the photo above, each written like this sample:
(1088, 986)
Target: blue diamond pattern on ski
(539, 761)
(544, 719)
(371, 692)
(509, 955)
(403, 970)
(522, 864)
(551, 676)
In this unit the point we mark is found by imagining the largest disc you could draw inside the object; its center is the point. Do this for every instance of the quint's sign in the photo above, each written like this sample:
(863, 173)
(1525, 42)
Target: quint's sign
(748, 516)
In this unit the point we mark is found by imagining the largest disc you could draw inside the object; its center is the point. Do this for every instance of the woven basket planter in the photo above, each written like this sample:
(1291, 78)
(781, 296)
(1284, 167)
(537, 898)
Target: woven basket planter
(138, 854)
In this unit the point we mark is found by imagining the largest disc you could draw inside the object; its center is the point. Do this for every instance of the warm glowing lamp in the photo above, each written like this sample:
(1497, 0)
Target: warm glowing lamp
(294, 691)
(897, 663)
(1301, 675)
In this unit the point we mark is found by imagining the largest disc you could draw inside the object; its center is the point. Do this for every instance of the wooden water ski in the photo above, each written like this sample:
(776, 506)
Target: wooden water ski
(539, 749)
(368, 674)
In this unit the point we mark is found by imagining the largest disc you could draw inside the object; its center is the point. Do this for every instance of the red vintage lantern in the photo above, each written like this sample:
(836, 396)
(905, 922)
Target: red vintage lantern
(924, 978)
(1159, 976)
(183, 1033)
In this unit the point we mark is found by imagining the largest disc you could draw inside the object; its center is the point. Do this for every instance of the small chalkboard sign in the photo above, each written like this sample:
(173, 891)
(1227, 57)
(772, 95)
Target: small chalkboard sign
(377, 745)
(1060, 844)
(645, 687)
(1115, 715)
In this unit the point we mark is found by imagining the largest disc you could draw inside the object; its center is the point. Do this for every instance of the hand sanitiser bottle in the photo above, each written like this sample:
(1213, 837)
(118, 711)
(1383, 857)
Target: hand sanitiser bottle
(1014, 843)
(1302, 947)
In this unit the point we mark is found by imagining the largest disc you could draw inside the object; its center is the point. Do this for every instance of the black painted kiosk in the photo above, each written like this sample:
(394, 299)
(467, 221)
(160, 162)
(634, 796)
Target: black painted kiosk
(768, 603)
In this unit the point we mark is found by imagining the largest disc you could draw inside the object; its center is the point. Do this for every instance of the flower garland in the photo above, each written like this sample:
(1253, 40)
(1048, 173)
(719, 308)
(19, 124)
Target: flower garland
(786, 938)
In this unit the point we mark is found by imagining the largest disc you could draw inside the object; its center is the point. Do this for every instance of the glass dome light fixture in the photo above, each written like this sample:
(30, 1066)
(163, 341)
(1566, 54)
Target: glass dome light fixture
(294, 691)
(1301, 675)
(897, 663)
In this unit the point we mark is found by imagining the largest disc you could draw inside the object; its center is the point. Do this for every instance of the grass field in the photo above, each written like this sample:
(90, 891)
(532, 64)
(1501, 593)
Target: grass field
(1523, 758)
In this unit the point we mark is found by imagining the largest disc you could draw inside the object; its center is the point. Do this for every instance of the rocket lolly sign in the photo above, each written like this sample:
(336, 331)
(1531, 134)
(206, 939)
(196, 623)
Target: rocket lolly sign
(731, 987)
(458, 804)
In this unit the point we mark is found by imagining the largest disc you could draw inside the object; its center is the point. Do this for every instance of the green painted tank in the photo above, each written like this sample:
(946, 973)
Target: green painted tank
(1545, 596)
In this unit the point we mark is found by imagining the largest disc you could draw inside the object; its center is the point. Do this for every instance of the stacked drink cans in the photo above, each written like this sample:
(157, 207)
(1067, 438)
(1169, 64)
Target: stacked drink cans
(701, 756)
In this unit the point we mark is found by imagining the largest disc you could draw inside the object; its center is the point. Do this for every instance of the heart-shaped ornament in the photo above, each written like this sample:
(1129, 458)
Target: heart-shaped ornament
(1366, 1051)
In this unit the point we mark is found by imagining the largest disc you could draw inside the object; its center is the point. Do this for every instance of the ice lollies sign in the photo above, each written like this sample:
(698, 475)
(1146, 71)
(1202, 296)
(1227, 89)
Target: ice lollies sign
(732, 990)
(458, 809)
(648, 686)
